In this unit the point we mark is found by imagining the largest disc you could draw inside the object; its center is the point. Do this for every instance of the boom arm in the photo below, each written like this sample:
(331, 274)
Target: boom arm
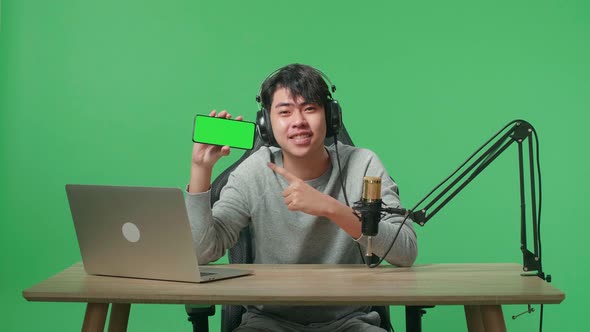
(518, 132)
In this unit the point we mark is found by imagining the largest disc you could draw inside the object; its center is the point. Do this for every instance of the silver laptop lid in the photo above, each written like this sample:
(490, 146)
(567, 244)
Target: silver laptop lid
(140, 232)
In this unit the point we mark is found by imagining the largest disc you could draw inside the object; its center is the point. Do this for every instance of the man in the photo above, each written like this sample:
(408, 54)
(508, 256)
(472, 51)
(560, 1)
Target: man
(292, 197)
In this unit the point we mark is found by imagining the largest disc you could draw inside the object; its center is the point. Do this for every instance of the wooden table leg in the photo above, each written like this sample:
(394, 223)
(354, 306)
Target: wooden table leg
(493, 319)
(95, 317)
(485, 318)
(474, 318)
(119, 317)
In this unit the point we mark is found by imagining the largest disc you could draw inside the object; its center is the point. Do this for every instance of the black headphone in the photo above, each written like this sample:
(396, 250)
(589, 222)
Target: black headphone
(332, 109)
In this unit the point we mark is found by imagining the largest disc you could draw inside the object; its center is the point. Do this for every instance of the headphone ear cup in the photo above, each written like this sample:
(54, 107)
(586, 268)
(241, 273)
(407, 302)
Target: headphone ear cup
(264, 127)
(333, 118)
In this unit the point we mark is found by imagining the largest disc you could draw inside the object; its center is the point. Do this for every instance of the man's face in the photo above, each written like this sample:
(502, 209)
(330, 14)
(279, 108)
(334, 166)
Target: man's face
(298, 127)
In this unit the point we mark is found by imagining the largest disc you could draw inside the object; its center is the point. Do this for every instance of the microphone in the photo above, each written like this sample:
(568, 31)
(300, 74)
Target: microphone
(370, 208)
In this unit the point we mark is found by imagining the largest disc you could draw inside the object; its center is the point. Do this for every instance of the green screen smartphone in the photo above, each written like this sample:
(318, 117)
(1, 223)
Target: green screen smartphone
(221, 131)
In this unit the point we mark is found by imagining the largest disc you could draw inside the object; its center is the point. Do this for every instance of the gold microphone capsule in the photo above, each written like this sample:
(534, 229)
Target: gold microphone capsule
(371, 189)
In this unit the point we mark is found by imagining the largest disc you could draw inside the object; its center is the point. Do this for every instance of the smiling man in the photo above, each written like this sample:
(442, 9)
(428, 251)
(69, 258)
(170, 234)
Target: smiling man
(292, 196)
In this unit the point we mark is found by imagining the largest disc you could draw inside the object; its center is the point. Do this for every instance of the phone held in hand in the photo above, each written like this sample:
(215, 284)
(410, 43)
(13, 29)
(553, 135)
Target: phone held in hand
(221, 131)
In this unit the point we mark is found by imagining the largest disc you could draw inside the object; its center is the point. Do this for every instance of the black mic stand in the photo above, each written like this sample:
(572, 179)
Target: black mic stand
(518, 131)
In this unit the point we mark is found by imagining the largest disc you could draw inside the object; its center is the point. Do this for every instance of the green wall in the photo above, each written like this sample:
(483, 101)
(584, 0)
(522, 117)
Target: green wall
(104, 92)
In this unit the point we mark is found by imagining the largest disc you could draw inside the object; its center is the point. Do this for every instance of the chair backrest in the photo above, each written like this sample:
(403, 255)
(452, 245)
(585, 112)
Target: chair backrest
(242, 253)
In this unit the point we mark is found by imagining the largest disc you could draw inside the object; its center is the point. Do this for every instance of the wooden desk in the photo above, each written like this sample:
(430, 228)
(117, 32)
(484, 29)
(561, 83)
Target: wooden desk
(481, 288)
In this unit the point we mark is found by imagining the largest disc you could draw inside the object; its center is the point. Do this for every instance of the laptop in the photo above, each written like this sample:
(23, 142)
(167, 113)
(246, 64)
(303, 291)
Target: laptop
(138, 232)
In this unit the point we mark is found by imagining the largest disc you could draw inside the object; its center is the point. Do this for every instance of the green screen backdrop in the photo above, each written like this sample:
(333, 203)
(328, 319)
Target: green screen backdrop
(104, 92)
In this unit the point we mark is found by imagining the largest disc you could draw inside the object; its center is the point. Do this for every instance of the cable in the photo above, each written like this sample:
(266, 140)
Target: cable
(340, 170)
(392, 243)
(540, 194)
(343, 185)
(541, 319)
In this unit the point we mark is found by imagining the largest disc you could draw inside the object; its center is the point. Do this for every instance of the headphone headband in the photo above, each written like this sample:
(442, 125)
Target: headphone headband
(326, 79)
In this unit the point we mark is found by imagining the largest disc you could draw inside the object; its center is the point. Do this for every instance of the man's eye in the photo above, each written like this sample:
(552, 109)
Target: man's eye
(283, 112)
(310, 109)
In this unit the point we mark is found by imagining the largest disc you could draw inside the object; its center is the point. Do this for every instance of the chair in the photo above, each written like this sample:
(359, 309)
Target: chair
(241, 253)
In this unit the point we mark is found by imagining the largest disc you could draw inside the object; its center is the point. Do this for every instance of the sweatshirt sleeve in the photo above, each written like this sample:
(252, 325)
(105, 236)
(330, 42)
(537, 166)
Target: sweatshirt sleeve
(214, 230)
(405, 249)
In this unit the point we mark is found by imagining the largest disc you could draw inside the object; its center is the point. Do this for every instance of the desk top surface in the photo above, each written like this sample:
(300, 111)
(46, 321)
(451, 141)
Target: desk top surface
(301, 284)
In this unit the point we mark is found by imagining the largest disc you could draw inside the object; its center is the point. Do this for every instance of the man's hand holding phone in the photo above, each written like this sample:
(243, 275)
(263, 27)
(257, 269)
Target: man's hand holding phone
(210, 134)
(206, 155)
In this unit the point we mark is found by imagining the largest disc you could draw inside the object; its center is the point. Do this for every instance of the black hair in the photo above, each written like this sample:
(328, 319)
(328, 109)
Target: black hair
(300, 80)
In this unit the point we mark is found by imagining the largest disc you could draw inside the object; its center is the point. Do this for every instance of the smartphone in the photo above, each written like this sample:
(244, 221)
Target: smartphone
(221, 131)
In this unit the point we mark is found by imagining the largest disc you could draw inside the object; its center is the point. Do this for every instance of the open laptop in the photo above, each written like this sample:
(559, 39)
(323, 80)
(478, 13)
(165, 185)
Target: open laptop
(138, 232)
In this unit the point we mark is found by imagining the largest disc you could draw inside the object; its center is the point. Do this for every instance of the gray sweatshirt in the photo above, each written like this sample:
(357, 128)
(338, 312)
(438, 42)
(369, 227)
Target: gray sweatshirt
(252, 196)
